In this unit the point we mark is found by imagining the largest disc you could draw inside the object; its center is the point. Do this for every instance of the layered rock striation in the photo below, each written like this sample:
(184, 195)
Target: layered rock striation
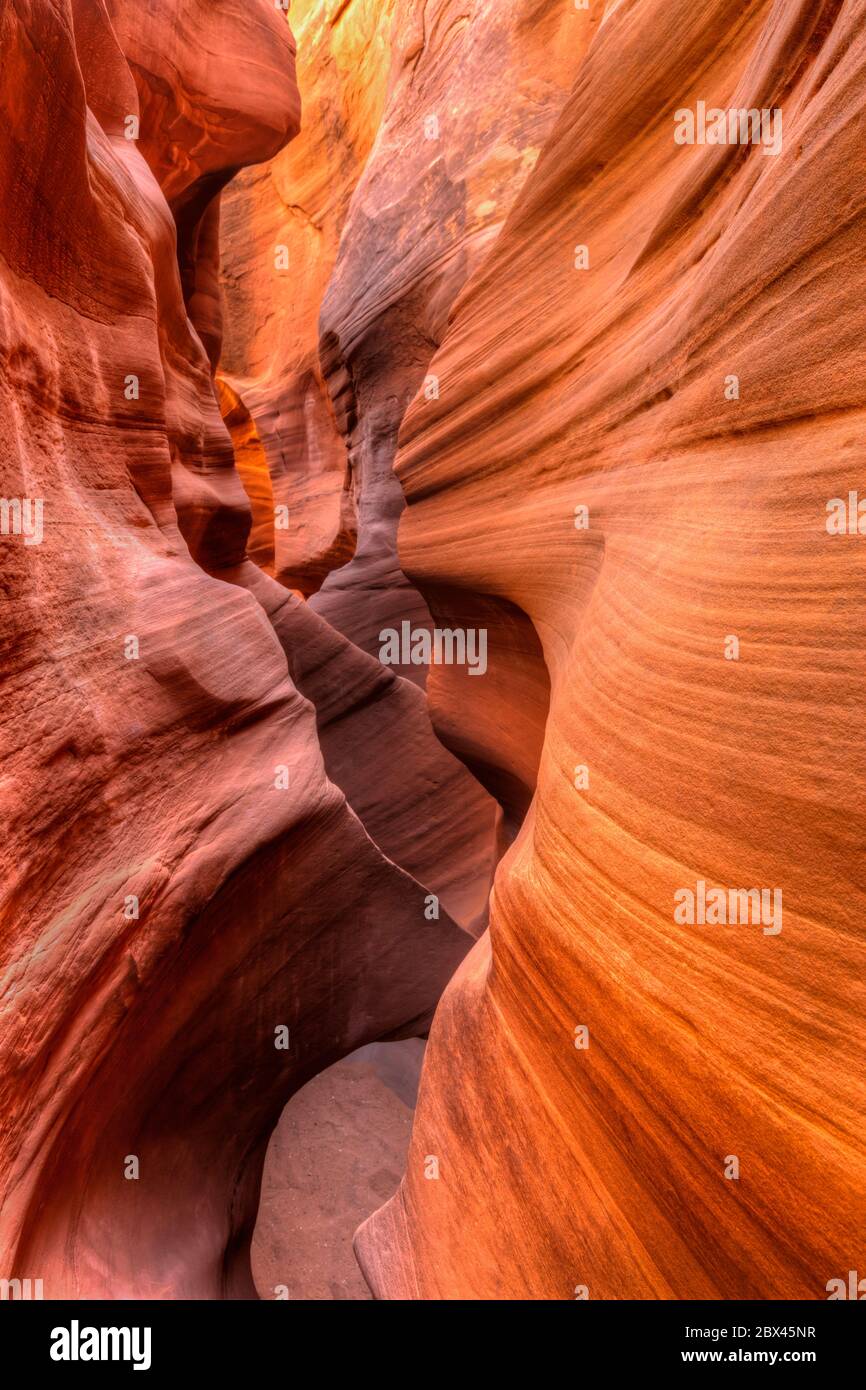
(195, 919)
(489, 336)
(650, 395)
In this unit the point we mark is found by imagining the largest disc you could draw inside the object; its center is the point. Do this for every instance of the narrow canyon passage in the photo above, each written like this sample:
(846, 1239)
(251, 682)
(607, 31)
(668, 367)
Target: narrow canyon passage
(314, 408)
(432, 445)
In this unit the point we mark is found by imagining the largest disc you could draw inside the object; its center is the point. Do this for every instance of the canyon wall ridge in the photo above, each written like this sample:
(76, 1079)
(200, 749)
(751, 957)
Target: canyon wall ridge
(323, 319)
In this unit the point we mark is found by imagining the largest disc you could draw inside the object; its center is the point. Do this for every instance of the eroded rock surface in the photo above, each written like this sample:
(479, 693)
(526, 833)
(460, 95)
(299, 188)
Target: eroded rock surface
(473, 93)
(280, 231)
(195, 921)
(610, 387)
(234, 849)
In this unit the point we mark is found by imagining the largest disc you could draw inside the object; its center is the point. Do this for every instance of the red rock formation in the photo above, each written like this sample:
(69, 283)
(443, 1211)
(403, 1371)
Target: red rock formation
(181, 879)
(611, 388)
(281, 226)
(472, 96)
(234, 849)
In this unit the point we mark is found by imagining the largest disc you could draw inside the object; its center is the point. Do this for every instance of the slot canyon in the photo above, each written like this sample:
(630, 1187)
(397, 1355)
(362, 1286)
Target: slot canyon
(433, 744)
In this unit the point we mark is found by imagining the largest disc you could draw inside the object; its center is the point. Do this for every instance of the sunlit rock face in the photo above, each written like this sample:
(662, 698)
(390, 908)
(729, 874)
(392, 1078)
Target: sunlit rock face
(216, 83)
(421, 123)
(695, 381)
(195, 920)
(239, 263)
(280, 229)
(473, 92)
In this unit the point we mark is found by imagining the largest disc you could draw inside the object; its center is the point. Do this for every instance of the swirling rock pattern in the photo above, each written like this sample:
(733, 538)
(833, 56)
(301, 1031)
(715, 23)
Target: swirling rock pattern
(473, 93)
(280, 230)
(195, 920)
(607, 384)
(234, 850)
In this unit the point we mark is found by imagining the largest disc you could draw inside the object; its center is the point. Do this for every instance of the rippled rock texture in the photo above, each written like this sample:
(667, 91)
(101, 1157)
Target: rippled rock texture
(703, 634)
(195, 919)
(436, 322)
(424, 122)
